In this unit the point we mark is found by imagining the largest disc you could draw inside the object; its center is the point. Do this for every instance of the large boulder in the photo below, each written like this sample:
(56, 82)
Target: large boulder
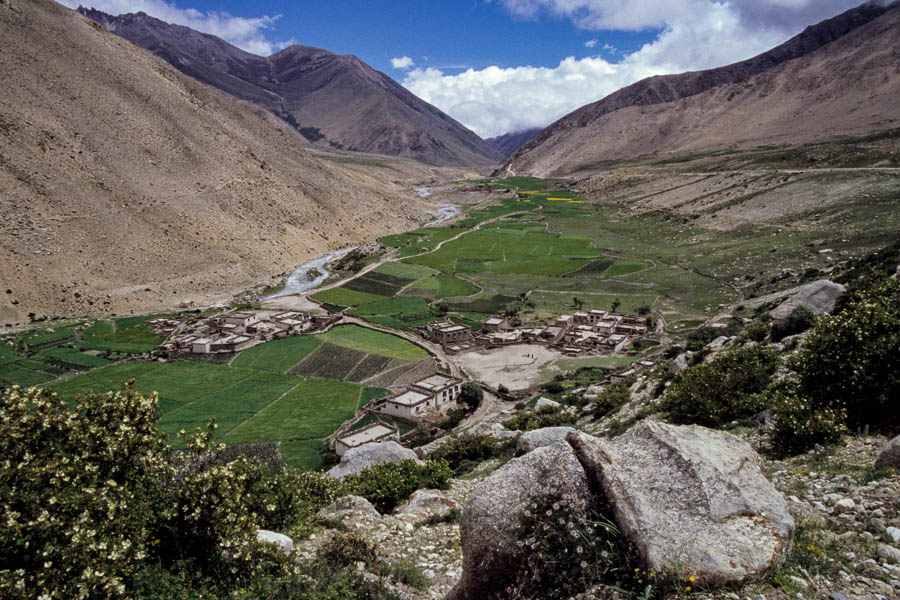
(692, 500)
(362, 457)
(818, 296)
(428, 503)
(348, 506)
(532, 440)
(279, 539)
(543, 403)
(889, 455)
(489, 528)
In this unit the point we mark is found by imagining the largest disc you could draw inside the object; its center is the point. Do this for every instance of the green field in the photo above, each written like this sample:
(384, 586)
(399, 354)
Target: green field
(345, 297)
(130, 335)
(73, 356)
(277, 356)
(404, 270)
(373, 342)
(7, 354)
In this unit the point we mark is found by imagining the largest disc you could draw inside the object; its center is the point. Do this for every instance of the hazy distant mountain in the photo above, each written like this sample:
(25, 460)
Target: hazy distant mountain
(840, 76)
(508, 143)
(331, 99)
(127, 185)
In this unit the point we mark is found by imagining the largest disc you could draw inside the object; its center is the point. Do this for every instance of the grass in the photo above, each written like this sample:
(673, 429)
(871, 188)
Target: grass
(330, 361)
(302, 454)
(73, 356)
(400, 308)
(404, 270)
(345, 297)
(277, 356)
(310, 410)
(374, 342)
(379, 284)
(7, 354)
(130, 335)
(15, 373)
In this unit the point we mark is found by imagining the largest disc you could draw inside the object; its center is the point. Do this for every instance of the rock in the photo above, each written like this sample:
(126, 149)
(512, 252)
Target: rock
(718, 343)
(682, 361)
(348, 506)
(357, 459)
(546, 403)
(843, 505)
(430, 502)
(489, 528)
(889, 455)
(494, 430)
(889, 554)
(798, 582)
(894, 534)
(818, 296)
(286, 543)
(765, 419)
(539, 438)
(691, 498)
(588, 408)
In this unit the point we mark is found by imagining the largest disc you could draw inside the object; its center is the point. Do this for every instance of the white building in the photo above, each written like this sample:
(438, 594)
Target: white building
(376, 432)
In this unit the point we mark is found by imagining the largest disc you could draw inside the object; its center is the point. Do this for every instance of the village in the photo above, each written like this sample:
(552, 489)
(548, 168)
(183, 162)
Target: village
(593, 332)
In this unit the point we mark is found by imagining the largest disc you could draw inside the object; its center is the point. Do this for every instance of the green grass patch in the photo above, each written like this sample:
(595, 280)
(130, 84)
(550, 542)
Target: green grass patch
(345, 297)
(372, 393)
(311, 410)
(450, 286)
(400, 308)
(73, 356)
(374, 342)
(130, 335)
(277, 356)
(7, 354)
(16, 373)
(378, 284)
(330, 361)
(624, 267)
(302, 454)
(486, 304)
(404, 270)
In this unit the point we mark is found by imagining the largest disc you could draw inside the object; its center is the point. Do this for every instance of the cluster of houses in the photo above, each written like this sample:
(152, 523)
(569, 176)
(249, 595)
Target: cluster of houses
(428, 398)
(596, 331)
(236, 331)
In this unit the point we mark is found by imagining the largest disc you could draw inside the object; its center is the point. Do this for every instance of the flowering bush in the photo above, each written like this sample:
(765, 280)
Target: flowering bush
(801, 425)
(723, 389)
(387, 484)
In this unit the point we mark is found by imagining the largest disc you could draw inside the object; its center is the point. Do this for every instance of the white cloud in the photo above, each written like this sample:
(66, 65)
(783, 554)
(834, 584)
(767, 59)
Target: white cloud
(403, 62)
(590, 43)
(247, 33)
(695, 34)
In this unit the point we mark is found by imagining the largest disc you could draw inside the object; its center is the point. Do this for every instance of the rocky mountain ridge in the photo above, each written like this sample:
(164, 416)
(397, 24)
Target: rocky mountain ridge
(333, 100)
(129, 186)
(837, 77)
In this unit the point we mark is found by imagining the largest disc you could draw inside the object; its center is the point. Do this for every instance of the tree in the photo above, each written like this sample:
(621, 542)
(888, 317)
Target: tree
(616, 304)
(471, 395)
(577, 302)
(643, 309)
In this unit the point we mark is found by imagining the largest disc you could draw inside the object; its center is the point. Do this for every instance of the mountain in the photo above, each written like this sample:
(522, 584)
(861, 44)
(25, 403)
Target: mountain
(129, 186)
(838, 77)
(508, 143)
(332, 100)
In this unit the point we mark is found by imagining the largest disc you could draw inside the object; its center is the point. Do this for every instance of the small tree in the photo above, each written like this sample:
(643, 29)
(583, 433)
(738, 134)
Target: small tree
(616, 304)
(471, 395)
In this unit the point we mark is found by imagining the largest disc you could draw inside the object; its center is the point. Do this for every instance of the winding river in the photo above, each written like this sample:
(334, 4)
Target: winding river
(299, 281)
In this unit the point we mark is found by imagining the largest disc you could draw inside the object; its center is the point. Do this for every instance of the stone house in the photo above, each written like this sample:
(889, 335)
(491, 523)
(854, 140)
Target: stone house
(376, 432)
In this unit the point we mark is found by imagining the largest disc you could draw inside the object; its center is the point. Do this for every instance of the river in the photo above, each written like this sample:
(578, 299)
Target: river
(299, 281)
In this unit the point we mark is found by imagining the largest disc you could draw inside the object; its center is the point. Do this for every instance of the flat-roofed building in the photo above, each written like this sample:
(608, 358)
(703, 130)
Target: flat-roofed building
(376, 432)
(240, 319)
(581, 318)
(595, 315)
(444, 388)
(200, 345)
(495, 324)
(445, 332)
(409, 404)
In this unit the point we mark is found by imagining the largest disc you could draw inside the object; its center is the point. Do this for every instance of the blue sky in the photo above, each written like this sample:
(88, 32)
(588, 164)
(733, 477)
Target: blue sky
(504, 65)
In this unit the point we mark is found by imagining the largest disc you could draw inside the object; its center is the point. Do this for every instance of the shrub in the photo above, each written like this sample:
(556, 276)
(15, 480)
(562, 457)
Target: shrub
(849, 359)
(797, 322)
(466, 451)
(388, 484)
(546, 417)
(553, 387)
(347, 549)
(723, 389)
(408, 573)
(757, 331)
(471, 395)
(612, 398)
(800, 425)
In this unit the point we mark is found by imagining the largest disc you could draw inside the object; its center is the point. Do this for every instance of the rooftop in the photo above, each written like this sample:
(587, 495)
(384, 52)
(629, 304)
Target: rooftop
(371, 433)
(409, 398)
(436, 381)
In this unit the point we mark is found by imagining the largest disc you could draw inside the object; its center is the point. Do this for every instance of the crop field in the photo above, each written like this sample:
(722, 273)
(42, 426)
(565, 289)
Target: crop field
(15, 373)
(379, 284)
(369, 366)
(373, 342)
(344, 297)
(7, 354)
(404, 270)
(73, 356)
(330, 361)
(277, 356)
(130, 335)
(403, 309)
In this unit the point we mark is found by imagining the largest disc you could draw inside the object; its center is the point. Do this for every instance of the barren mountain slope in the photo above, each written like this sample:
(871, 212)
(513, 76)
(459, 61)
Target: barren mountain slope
(334, 100)
(508, 143)
(838, 77)
(126, 185)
